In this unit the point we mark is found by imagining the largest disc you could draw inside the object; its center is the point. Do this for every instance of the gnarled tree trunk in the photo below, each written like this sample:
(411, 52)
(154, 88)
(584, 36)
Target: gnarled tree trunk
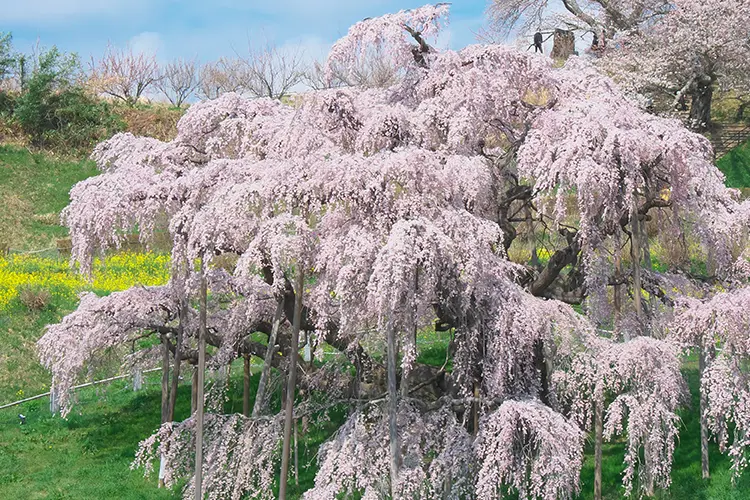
(700, 107)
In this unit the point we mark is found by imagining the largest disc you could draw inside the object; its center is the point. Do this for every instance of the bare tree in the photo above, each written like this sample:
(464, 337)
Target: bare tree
(124, 74)
(316, 78)
(375, 70)
(179, 81)
(216, 78)
(272, 72)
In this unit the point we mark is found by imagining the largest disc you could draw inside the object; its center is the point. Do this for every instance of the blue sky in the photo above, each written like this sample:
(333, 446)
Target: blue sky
(207, 29)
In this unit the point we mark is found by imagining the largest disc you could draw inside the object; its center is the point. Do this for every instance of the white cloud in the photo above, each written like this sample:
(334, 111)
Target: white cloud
(306, 7)
(147, 43)
(34, 12)
(310, 48)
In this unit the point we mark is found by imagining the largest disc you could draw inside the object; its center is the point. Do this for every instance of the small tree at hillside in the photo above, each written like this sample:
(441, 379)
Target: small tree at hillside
(220, 77)
(7, 59)
(601, 17)
(179, 80)
(675, 47)
(123, 74)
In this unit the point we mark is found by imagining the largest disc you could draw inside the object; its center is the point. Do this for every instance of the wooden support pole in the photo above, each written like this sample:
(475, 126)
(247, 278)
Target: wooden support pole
(289, 407)
(296, 455)
(137, 379)
(194, 391)
(164, 380)
(164, 398)
(177, 359)
(265, 373)
(705, 469)
(201, 381)
(395, 455)
(618, 288)
(598, 438)
(246, 386)
(635, 255)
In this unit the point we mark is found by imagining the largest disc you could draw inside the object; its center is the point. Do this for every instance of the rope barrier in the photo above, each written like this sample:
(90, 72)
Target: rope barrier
(81, 386)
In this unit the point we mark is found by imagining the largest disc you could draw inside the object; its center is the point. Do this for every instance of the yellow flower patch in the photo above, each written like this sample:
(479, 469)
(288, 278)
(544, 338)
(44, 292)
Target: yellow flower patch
(115, 272)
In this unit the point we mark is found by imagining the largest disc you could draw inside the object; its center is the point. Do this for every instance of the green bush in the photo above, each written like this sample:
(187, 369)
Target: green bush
(81, 121)
(56, 112)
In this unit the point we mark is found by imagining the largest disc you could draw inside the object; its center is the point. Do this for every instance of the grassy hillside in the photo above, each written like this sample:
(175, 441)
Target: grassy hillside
(84, 457)
(736, 166)
(39, 288)
(33, 190)
(88, 455)
(36, 291)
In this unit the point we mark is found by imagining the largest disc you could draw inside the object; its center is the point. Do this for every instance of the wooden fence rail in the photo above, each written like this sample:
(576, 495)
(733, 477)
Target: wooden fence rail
(729, 136)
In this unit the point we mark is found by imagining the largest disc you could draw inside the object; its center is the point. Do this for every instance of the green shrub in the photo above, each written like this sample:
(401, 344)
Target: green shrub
(56, 112)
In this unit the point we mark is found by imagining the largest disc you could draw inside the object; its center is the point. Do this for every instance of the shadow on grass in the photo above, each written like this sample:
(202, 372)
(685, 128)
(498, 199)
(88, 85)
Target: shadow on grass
(687, 483)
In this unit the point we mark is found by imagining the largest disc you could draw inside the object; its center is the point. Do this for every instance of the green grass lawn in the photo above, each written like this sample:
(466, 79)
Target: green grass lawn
(687, 483)
(88, 455)
(736, 166)
(35, 187)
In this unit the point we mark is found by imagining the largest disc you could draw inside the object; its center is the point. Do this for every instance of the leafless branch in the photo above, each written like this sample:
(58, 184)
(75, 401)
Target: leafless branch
(124, 74)
(270, 71)
(179, 81)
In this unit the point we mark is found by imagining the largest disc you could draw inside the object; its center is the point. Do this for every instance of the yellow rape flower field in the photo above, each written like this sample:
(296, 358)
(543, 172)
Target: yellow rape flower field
(115, 272)
(54, 288)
